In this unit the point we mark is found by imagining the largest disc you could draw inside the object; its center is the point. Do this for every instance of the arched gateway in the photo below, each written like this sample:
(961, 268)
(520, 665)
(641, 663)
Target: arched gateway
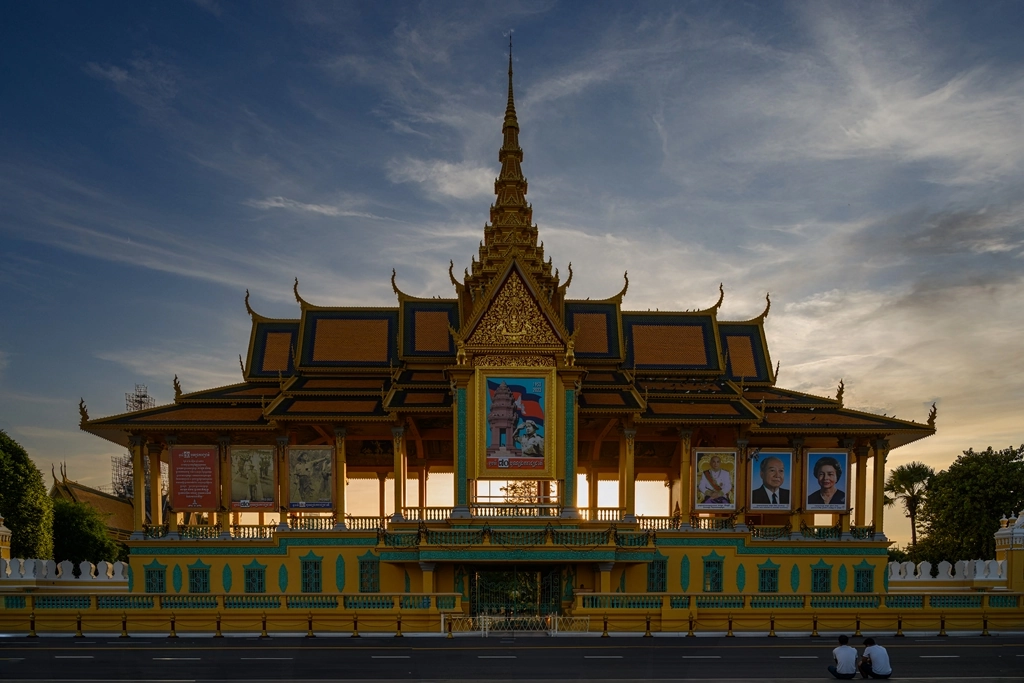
(510, 380)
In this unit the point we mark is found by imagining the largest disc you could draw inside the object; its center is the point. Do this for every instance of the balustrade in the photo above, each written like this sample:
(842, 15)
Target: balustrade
(427, 514)
(501, 510)
(712, 523)
(653, 523)
(365, 523)
(312, 523)
(253, 530)
(770, 533)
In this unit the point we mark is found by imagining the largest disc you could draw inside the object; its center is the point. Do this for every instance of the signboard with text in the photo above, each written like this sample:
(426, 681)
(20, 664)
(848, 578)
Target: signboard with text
(195, 480)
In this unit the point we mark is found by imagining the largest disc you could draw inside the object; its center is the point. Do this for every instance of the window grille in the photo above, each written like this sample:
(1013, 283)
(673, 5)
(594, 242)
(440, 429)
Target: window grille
(657, 576)
(821, 579)
(713, 576)
(311, 576)
(156, 580)
(199, 580)
(255, 580)
(369, 575)
(768, 580)
(863, 581)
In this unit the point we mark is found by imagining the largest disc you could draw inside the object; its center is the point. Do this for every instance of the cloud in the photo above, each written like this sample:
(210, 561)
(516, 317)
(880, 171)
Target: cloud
(150, 84)
(464, 180)
(196, 369)
(330, 210)
(5, 359)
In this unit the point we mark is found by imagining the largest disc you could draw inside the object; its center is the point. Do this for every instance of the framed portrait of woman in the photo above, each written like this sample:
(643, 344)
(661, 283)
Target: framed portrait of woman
(826, 481)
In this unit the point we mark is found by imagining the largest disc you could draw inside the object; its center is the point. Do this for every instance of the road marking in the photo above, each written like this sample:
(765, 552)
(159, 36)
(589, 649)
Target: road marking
(72, 657)
(495, 656)
(602, 656)
(175, 659)
(939, 656)
(264, 659)
(12, 659)
(798, 657)
(702, 656)
(389, 656)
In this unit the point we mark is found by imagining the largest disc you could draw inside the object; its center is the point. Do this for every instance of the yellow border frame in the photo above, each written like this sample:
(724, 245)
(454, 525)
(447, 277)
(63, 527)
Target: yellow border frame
(696, 480)
(771, 450)
(275, 505)
(334, 478)
(806, 472)
(552, 423)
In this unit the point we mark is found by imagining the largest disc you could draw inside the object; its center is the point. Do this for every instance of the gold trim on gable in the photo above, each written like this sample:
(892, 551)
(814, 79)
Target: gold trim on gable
(514, 318)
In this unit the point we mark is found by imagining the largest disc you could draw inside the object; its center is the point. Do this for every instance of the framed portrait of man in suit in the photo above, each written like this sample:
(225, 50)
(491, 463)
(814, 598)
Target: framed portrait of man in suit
(771, 477)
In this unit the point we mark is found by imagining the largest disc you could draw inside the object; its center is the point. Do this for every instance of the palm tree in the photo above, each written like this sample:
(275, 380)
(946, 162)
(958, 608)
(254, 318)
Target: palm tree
(909, 484)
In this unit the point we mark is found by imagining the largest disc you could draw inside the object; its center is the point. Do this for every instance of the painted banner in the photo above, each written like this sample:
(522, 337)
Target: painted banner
(253, 478)
(771, 479)
(311, 477)
(826, 487)
(195, 478)
(715, 472)
(515, 415)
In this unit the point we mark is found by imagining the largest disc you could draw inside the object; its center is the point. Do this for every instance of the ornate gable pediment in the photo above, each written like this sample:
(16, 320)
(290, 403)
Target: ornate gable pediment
(514, 317)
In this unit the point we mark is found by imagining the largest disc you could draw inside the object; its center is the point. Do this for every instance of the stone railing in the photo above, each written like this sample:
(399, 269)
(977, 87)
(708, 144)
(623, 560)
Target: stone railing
(603, 514)
(501, 510)
(427, 514)
(964, 575)
(39, 574)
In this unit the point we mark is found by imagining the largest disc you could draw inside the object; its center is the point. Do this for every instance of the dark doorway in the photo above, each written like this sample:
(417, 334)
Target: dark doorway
(515, 592)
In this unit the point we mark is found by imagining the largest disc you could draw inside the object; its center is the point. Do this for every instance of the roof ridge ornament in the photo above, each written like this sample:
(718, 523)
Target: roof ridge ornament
(932, 414)
(295, 288)
(721, 296)
(840, 391)
(248, 308)
(83, 412)
(177, 388)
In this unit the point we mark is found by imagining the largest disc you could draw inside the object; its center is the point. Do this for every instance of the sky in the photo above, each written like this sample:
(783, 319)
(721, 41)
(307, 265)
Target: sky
(862, 162)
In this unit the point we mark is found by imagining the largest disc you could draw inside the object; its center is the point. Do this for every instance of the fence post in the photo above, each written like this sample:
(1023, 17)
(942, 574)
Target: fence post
(814, 626)
(857, 632)
(218, 634)
(309, 633)
(942, 624)
(449, 625)
(689, 632)
(78, 626)
(771, 621)
(172, 634)
(355, 625)
(398, 631)
(899, 625)
(604, 634)
(984, 624)
(263, 633)
(647, 633)
(124, 625)
(729, 633)
(32, 625)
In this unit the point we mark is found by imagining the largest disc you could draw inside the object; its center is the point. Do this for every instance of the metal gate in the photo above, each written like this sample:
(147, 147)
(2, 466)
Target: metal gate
(516, 592)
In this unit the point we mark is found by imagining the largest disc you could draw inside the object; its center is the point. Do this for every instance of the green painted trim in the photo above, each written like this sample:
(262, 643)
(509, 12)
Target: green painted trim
(461, 495)
(741, 577)
(794, 578)
(570, 447)
(820, 564)
(282, 578)
(339, 573)
(229, 548)
(408, 582)
(842, 578)
(742, 548)
(155, 564)
(768, 564)
(864, 564)
(176, 578)
(713, 556)
(225, 577)
(198, 564)
(311, 556)
(511, 554)
(254, 565)
(684, 573)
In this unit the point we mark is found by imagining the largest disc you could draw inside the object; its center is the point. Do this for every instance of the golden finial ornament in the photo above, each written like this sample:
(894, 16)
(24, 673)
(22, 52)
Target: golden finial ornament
(839, 392)
(778, 364)
(932, 415)
(177, 388)
(248, 308)
(83, 412)
(721, 296)
(241, 365)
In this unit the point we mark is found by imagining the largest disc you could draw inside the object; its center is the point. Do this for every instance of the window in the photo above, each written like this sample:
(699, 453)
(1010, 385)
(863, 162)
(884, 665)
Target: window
(311, 576)
(712, 575)
(768, 579)
(369, 573)
(199, 580)
(255, 579)
(156, 579)
(863, 580)
(821, 579)
(657, 576)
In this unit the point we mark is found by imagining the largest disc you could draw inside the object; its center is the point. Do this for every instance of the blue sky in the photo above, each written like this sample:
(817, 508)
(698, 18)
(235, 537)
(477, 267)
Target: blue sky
(860, 161)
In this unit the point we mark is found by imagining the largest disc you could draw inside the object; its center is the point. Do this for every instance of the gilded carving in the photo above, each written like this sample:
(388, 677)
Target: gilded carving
(511, 361)
(514, 317)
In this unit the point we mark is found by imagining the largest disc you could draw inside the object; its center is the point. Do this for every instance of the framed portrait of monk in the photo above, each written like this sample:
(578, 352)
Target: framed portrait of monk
(771, 480)
(311, 477)
(714, 479)
(827, 477)
(253, 478)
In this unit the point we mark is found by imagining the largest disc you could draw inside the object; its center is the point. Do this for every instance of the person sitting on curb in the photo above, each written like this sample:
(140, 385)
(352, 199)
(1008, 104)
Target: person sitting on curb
(874, 663)
(846, 660)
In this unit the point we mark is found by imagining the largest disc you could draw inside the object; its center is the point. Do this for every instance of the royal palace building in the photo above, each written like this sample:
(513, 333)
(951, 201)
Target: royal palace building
(509, 379)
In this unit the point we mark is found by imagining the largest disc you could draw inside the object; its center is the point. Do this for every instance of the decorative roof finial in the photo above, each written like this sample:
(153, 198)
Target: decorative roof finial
(839, 392)
(248, 308)
(177, 388)
(931, 416)
(83, 412)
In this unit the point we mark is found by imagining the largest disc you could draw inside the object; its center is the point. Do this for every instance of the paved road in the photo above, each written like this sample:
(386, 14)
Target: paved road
(493, 659)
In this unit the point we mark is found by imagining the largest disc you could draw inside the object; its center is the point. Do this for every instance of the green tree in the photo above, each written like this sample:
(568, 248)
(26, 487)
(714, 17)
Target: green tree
(964, 504)
(908, 484)
(27, 509)
(80, 534)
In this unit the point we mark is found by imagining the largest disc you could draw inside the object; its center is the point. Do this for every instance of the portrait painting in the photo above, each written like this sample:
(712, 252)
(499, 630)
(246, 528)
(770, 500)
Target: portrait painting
(714, 480)
(253, 478)
(826, 477)
(310, 477)
(771, 480)
(515, 423)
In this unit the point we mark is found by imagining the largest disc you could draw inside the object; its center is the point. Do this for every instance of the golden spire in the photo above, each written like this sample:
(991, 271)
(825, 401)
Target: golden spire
(511, 231)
